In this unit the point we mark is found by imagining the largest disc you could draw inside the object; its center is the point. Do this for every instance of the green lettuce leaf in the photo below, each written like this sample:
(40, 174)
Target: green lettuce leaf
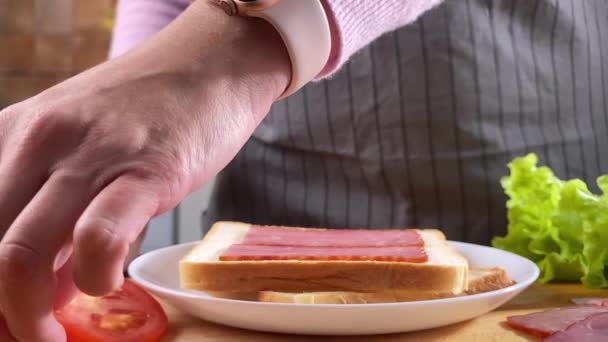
(560, 225)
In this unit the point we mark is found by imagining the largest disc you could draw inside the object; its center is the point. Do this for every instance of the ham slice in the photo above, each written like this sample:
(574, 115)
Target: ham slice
(594, 328)
(240, 252)
(337, 238)
(590, 301)
(546, 323)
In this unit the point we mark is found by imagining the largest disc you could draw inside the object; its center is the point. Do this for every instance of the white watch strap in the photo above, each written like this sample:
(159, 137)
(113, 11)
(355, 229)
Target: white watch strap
(304, 27)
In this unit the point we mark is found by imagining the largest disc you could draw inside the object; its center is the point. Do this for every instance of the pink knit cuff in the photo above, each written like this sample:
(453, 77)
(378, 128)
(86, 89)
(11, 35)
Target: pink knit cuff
(137, 20)
(355, 24)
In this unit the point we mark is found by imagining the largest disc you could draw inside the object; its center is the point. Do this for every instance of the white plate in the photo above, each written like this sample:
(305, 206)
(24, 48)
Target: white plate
(157, 271)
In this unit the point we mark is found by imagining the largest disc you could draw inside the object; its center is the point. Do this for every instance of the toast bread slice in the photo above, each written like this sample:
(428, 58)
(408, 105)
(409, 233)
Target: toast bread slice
(445, 271)
(480, 280)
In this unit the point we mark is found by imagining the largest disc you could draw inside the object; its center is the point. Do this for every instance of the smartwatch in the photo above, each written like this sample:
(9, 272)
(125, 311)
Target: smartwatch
(303, 26)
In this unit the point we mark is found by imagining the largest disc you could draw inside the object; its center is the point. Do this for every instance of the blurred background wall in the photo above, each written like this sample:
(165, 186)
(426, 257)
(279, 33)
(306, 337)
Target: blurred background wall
(43, 42)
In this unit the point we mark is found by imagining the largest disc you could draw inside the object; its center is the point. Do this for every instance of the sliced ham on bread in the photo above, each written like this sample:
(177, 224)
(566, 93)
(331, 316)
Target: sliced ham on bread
(240, 258)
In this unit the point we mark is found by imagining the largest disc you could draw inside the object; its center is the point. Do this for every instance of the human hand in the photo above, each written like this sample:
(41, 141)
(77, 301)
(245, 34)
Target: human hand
(87, 163)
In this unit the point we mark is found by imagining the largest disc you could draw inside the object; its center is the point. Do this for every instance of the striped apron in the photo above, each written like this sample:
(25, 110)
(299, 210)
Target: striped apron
(417, 129)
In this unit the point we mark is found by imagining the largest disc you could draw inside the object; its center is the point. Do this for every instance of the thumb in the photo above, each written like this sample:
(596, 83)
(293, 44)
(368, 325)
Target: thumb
(105, 230)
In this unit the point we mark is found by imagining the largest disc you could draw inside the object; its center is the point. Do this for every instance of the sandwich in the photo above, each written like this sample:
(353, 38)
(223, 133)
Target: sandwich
(481, 280)
(312, 265)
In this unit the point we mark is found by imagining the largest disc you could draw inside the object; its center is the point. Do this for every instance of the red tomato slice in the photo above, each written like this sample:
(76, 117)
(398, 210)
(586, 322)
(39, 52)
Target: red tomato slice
(125, 315)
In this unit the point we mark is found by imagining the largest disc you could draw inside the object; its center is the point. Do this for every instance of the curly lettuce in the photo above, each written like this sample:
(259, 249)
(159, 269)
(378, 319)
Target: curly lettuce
(560, 225)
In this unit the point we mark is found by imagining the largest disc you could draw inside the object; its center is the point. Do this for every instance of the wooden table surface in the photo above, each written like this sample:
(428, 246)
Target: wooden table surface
(488, 327)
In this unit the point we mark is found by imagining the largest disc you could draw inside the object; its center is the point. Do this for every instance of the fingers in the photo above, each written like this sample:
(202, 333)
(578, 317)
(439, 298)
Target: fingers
(26, 293)
(35, 143)
(66, 290)
(108, 226)
(27, 258)
(19, 182)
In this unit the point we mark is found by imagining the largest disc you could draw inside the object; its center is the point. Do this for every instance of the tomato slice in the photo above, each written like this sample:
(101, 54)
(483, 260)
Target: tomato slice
(127, 314)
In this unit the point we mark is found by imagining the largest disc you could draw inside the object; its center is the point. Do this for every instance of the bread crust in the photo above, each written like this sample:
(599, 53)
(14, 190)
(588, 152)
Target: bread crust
(485, 279)
(493, 278)
(313, 276)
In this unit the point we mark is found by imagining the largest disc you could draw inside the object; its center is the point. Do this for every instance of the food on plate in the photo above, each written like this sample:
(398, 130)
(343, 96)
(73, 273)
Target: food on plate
(127, 314)
(560, 225)
(587, 321)
(232, 258)
(479, 280)
(279, 264)
(483, 279)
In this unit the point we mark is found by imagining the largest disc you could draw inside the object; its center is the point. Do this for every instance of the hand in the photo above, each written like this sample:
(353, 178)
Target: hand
(87, 163)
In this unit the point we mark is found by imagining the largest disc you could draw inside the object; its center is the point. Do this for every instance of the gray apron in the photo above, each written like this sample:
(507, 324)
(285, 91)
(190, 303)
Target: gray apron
(417, 129)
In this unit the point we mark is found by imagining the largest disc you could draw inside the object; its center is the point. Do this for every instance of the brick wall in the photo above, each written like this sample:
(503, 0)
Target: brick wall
(43, 42)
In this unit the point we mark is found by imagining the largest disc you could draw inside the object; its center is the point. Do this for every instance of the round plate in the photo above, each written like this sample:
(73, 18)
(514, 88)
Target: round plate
(158, 272)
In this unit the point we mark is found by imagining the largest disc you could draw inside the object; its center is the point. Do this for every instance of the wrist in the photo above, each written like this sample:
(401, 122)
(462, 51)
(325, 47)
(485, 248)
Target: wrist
(245, 54)
(248, 49)
(204, 48)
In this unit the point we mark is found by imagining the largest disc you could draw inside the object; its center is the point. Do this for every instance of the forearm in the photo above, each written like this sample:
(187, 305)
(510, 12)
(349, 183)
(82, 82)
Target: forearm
(354, 24)
(204, 44)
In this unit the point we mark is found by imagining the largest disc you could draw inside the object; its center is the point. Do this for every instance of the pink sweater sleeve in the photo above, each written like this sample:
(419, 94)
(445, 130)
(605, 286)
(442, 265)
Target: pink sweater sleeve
(354, 24)
(137, 20)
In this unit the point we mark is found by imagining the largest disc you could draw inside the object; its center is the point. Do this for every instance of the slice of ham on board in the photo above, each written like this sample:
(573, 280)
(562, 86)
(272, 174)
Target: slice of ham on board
(277, 236)
(592, 329)
(241, 252)
(545, 323)
(590, 301)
